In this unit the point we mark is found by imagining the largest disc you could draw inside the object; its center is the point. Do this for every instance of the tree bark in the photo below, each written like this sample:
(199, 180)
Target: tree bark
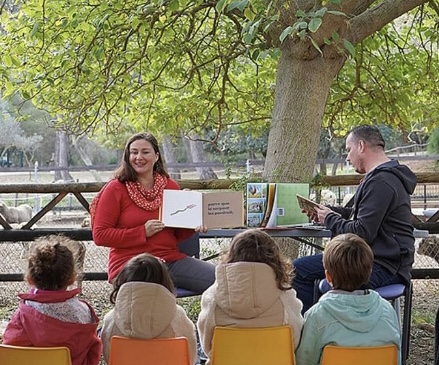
(84, 157)
(302, 87)
(305, 75)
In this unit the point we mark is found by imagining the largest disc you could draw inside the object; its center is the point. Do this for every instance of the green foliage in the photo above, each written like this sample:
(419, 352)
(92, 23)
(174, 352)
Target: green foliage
(192, 307)
(157, 66)
(240, 140)
(13, 137)
(119, 66)
(391, 79)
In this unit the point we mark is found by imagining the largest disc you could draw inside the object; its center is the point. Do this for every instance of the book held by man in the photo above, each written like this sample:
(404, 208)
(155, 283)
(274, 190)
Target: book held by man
(306, 204)
(213, 209)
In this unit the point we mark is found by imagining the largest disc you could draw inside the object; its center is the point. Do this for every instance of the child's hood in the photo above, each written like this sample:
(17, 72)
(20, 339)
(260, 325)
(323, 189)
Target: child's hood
(359, 313)
(246, 289)
(144, 310)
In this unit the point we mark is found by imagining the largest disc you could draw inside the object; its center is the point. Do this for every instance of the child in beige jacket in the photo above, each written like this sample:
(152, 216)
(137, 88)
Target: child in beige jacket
(145, 306)
(252, 289)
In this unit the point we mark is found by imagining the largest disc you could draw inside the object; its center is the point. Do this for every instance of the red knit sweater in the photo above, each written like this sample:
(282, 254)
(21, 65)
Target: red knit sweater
(120, 225)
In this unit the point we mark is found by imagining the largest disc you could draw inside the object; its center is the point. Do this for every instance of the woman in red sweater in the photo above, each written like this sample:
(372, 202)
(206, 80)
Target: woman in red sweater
(125, 217)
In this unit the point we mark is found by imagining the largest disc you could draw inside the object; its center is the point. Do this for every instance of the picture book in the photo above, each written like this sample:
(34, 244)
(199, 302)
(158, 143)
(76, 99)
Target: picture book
(306, 204)
(213, 209)
(275, 204)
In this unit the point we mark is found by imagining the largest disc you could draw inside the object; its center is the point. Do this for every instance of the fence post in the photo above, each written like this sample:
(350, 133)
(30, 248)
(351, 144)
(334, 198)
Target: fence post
(248, 167)
(36, 201)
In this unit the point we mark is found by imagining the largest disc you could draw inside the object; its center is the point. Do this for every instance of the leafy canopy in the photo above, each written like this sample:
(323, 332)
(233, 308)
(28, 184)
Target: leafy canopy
(167, 65)
(161, 65)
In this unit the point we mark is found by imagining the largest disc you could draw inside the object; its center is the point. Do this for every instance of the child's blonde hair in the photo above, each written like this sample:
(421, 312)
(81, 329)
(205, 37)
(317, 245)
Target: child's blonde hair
(254, 245)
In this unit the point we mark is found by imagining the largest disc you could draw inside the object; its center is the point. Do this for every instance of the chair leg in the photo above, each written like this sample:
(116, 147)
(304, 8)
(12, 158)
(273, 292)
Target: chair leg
(317, 293)
(396, 303)
(406, 323)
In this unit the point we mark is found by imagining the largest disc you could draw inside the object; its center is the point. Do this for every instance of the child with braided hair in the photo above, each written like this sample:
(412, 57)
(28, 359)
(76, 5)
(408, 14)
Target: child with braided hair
(50, 315)
(252, 289)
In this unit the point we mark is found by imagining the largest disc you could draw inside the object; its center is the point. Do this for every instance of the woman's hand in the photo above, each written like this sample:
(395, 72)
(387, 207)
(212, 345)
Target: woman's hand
(202, 229)
(153, 226)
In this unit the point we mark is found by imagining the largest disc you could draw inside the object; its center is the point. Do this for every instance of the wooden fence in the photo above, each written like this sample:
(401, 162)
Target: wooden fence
(61, 190)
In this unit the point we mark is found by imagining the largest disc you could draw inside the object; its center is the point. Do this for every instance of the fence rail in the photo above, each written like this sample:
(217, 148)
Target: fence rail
(213, 164)
(61, 190)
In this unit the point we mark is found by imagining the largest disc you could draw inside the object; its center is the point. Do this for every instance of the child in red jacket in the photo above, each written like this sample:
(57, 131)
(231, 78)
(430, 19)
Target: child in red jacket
(50, 315)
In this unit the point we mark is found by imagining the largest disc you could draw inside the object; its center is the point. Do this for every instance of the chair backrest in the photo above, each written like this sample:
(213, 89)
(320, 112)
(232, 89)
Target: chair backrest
(252, 346)
(156, 351)
(377, 355)
(191, 246)
(19, 355)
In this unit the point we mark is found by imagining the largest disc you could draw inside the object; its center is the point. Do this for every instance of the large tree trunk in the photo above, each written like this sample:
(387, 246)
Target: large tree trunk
(302, 88)
(169, 156)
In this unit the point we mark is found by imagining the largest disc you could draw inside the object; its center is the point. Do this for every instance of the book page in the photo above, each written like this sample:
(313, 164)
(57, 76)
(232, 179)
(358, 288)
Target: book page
(182, 208)
(223, 209)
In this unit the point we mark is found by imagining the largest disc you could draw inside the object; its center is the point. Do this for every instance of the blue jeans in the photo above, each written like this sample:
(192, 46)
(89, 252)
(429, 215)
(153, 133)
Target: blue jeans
(310, 268)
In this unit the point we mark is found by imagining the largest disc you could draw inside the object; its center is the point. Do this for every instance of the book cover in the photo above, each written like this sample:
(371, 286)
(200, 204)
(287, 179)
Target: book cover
(275, 204)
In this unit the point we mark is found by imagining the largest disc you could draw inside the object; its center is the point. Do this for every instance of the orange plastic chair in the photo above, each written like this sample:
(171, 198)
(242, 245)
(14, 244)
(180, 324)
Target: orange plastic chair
(156, 351)
(376, 355)
(252, 346)
(20, 355)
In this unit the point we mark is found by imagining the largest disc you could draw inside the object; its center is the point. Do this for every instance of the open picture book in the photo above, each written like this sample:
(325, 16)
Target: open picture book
(191, 208)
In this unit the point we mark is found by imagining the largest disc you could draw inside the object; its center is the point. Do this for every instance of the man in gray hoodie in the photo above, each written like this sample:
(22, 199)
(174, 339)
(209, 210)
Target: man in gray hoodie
(381, 215)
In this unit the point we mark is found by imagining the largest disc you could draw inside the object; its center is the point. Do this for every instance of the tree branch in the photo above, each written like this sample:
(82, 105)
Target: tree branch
(372, 20)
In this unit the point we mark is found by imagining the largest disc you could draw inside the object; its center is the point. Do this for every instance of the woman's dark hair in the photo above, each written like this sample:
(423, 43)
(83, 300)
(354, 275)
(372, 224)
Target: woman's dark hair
(254, 245)
(125, 172)
(51, 263)
(146, 268)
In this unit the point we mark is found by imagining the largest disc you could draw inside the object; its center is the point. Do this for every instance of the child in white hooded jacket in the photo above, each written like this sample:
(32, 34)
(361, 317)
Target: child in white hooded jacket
(252, 289)
(145, 306)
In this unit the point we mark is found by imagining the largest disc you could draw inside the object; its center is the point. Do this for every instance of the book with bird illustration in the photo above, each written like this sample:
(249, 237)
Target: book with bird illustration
(272, 205)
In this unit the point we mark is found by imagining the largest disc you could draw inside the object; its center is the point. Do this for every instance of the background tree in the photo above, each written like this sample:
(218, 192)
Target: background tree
(13, 137)
(194, 65)
(433, 142)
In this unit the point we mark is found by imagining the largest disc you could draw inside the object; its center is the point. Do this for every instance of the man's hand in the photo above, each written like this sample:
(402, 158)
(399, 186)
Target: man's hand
(322, 212)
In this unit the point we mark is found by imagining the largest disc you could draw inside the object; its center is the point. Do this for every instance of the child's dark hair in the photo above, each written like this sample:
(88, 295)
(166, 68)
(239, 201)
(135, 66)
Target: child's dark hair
(254, 245)
(51, 263)
(349, 260)
(146, 268)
